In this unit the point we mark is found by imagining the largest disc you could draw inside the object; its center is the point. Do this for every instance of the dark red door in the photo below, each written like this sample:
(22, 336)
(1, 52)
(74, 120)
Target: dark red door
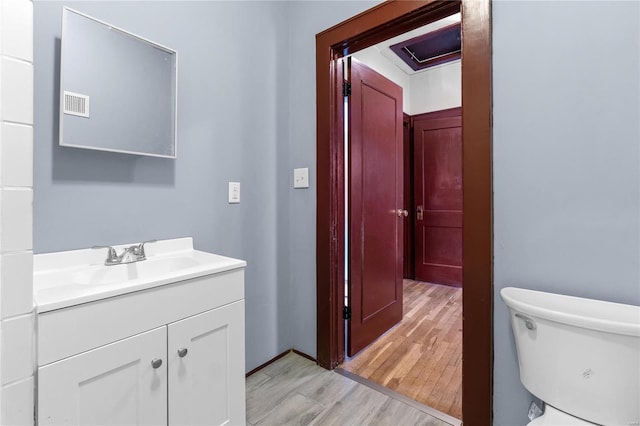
(438, 197)
(375, 206)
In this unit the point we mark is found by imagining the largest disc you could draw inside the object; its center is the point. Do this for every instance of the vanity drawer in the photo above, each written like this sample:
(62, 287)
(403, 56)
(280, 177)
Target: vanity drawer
(69, 331)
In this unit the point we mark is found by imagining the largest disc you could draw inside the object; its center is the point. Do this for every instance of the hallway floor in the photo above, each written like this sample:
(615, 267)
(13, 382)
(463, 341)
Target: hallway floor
(295, 391)
(421, 357)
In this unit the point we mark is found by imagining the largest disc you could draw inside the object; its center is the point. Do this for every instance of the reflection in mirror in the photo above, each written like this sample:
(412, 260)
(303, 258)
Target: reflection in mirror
(117, 90)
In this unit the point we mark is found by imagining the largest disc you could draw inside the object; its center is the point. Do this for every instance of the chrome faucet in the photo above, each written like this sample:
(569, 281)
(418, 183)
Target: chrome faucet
(134, 253)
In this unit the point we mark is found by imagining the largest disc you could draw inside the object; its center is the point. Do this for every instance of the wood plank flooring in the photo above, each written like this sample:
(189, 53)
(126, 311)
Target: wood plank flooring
(421, 357)
(294, 390)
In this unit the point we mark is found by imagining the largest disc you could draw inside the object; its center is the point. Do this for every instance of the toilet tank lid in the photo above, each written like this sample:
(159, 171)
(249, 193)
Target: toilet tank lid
(592, 314)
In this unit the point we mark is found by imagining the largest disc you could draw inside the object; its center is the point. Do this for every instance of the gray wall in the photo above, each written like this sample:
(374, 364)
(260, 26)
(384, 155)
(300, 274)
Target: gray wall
(566, 156)
(307, 19)
(239, 99)
(566, 161)
(233, 118)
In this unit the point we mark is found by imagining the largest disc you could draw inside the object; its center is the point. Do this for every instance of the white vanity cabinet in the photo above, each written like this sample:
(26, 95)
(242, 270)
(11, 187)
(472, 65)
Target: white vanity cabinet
(112, 385)
(172, 354)
(203, 368)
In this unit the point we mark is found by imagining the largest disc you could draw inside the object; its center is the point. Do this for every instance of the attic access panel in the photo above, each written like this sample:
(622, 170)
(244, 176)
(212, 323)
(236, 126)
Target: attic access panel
(428, 50)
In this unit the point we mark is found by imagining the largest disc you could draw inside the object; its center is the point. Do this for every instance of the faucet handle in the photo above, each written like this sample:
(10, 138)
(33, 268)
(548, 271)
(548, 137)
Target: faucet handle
(112, 256)
(141, 252)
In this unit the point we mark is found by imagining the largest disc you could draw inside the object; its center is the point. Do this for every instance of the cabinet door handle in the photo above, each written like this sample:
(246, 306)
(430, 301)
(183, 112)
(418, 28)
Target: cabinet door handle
(156, 362)
(182, 352)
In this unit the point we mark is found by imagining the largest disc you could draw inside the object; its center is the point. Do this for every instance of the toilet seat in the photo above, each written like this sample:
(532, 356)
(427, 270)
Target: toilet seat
(554, 417)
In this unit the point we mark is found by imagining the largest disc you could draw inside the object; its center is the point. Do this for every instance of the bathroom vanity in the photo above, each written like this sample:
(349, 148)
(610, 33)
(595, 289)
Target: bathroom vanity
(154, 342)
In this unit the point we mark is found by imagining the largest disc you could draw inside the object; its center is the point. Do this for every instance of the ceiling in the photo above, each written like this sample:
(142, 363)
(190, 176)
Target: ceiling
(385, 47)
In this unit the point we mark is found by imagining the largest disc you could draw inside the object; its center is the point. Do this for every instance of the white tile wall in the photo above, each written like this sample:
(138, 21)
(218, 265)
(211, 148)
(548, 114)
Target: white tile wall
(16, 91)
(16, 155)
(18, 361)
(17, 403)
(16, 281)
(16, 219)
(17, 317)
(17, 29)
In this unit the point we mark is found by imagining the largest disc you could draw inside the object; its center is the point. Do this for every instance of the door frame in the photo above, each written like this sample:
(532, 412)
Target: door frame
(408, 245)
(379, 23)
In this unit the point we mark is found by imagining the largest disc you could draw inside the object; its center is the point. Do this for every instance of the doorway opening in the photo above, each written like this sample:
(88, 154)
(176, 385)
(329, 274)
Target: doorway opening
(384, 21)
(418, 353)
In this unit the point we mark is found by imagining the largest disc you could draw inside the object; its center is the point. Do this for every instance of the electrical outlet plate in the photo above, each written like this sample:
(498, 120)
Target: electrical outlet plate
(234, 192)
(301, 178)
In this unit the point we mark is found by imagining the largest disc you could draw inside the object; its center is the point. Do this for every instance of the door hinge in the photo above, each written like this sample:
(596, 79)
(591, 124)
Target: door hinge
(346, 313)
(346, 89)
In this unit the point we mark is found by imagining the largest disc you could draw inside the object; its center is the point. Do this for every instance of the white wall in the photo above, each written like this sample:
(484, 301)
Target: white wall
(437, 88)
(17, 353)
(566, 162)
(433, 89)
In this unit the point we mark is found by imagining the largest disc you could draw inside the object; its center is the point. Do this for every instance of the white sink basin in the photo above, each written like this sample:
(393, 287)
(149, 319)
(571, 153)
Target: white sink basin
(155, 267)
(69, 278)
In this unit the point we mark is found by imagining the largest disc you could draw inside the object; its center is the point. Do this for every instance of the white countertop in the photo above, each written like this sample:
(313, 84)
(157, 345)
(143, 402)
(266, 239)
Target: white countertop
(68, 278)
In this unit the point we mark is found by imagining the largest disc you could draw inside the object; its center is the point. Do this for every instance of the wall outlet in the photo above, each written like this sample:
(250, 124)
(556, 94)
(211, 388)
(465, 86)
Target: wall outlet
(301, 178)
(234, 192)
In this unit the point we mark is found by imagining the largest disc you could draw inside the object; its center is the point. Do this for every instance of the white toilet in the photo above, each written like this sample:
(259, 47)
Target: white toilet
(580, 356)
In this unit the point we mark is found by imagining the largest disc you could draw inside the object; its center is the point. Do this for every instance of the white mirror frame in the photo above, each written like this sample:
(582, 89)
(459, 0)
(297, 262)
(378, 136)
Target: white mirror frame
(67, 10)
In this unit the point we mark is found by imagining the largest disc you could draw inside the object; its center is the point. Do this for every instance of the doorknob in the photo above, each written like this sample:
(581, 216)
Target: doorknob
(402, 213)
(156, 362)
(419, 213)
(182, 352)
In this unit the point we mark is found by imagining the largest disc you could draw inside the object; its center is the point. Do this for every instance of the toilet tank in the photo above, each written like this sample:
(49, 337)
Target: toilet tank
(581, 356)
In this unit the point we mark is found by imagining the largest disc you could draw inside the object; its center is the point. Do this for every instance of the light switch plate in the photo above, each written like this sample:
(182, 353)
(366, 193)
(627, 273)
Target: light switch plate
(234, 192)
(301, 178)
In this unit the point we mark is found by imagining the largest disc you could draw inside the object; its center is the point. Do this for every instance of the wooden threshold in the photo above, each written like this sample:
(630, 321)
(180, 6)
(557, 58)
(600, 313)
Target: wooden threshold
(399, 397)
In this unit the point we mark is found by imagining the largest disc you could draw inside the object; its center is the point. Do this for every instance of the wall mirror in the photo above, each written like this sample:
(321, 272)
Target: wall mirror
(118, 91)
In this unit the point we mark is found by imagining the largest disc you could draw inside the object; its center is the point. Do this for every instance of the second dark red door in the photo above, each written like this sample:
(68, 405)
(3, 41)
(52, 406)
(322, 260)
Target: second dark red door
(438, 197)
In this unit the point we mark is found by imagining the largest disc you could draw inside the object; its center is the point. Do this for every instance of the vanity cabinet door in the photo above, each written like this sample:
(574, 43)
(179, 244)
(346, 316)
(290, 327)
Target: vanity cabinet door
(115, 384)
(206, 368)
